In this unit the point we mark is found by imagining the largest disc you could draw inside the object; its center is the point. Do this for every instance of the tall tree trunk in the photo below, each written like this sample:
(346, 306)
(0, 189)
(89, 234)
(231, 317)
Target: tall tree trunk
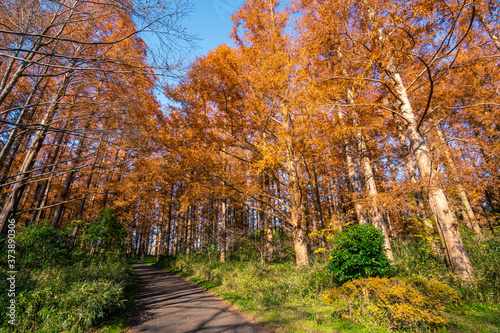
(262, 230)
(169, 225)
(300, 246)
(177, 227)
(52, 168)
(269, 223)
(296, 205)
(81, 208)
(351, 173)
(319, 207)
(376, 213)
(9, 160)
(189, 231)
(6, 152)
(269, 240)
(56, 220)
(223, 231)
(454, 247)
(468, 213)
(9, 207)
(160, 236)
(412, 176)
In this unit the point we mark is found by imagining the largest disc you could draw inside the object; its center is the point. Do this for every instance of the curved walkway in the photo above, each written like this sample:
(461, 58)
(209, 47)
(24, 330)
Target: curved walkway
(167, 303)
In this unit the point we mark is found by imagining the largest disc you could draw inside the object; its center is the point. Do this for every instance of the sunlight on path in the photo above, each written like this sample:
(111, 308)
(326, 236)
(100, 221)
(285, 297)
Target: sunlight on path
(168, 303)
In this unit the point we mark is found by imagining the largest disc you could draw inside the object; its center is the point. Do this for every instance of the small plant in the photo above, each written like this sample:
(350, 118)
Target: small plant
(358, 253)
(395, 302)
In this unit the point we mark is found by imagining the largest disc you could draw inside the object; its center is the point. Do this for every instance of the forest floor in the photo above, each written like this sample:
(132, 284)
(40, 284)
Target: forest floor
(168, 303)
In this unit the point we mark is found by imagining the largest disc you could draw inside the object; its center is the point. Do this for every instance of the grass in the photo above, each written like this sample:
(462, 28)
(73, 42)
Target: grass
(279, 296)
(289, 299)
(475, 317)
(120, 322)
(61, 288)
(148, 260)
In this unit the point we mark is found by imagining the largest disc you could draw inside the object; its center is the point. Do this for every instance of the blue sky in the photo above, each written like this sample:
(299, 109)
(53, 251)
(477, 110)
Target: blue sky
(210, 20)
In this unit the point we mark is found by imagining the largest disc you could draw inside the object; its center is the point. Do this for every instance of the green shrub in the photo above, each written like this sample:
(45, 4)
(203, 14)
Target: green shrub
(40, 245)
(58, 290)
(71, 298)
(394, 302)
(106, 231)
(358, 253)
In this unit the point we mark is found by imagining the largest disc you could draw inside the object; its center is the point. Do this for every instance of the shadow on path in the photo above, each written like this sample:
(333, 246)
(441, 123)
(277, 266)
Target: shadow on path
(167, 303)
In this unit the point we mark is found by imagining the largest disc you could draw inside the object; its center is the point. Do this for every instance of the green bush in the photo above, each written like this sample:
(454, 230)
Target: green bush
(40, 245)
(106, 231)
(358, 252)
(71, 298)
(58, 290)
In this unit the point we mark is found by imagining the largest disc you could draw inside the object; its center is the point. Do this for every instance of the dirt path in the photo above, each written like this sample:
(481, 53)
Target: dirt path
(167, 303)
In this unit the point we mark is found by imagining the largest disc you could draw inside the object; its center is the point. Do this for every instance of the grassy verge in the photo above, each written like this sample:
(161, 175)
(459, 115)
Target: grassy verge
(120, 321)
(62, 288)
(289, 299)
(280, 296)
(148, 260)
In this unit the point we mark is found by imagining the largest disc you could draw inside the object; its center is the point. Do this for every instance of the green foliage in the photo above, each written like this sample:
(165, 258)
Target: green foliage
(485, 257)
(59, 289)
(395, 302)
(40, 245)
(73, 298)
(413, 259)
(266, 285)
(106, 231)
(358, 252)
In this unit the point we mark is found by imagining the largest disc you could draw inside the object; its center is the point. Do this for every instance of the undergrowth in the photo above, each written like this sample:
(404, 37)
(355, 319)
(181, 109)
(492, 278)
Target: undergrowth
(422, 297)
(60, 288)
(415, 259)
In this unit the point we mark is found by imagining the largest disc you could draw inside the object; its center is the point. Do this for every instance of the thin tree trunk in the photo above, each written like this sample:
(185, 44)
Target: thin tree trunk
(319, 207)
(177, 235)
(169, 225)
(376, 213)
(4, 153)
(468, 213)
(189, 230)
(223, 230)
(160, 236)
(44, 191)
(9, 207)
(269, 224)
(69, 179)
(351, 173)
